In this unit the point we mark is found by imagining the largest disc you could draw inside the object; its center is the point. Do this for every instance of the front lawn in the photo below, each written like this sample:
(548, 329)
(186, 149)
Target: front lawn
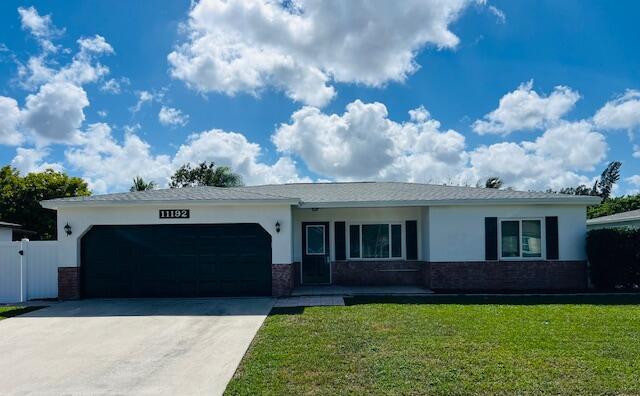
(9, 311)
(510, 346)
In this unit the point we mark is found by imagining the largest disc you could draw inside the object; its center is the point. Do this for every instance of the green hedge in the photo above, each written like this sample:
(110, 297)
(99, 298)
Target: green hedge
(614, 258)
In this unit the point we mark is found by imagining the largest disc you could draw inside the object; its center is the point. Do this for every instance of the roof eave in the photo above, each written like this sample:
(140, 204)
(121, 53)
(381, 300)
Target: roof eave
(451, 202)
(597, 221)
(55, 204)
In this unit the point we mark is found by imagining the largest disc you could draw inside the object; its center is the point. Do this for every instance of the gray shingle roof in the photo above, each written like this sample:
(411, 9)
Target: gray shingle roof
(618, 217)
(330, 194)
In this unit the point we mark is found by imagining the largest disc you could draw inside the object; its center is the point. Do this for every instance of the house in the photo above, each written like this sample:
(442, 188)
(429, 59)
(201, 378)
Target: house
(259, 240)
(6, 231)
(630, 219)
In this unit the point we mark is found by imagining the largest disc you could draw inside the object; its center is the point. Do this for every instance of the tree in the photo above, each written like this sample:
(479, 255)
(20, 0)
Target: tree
(614, 205)
(493, 182)
(608, 179)
(140, 185)
(602, 187)
(205, 174)
(20, 198)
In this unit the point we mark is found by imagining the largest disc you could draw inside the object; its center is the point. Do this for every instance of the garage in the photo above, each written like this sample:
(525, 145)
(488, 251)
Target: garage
(177, 260)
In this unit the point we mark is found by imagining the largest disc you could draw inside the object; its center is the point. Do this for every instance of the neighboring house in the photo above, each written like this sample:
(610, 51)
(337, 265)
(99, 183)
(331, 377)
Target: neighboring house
(6, 231)
(207, 241)
(630, 219)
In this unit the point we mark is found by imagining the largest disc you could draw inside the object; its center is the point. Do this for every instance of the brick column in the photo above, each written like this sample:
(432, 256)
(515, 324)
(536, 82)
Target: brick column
(281, 279)
(68, 283)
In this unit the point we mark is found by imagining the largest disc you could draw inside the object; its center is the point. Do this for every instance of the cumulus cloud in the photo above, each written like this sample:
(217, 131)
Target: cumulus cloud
(525, 109)
(234, 150)
(302, 47)
(109, 165)
(29, 160)
(620, 113)
(364, 143)
(169, 116)
(553, 160)
(56, 111)
(40, 27)
(10, 118)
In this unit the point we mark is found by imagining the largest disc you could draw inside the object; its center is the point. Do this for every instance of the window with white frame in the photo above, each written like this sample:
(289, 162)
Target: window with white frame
(520, 238)
(375, 241)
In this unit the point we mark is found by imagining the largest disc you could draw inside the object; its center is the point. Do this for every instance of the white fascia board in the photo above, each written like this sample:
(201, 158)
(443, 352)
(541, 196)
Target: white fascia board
(452, 202)
(182, 202)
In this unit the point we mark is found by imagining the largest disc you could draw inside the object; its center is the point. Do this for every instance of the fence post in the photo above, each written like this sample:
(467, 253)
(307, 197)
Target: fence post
(24, 275)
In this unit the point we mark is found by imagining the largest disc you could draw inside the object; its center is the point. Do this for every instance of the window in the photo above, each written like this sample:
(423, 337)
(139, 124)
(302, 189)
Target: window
(375, 241)
(520, 239)
(315, 239)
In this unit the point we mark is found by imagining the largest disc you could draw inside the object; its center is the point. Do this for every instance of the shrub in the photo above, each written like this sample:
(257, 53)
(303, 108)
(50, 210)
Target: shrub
(614, 258)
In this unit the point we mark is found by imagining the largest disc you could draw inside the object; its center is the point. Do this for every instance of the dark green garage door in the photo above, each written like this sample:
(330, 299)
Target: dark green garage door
(195, 260)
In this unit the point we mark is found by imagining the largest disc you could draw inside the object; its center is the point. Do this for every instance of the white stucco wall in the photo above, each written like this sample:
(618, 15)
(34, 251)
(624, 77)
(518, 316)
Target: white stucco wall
(456, 233)
(6, 234)
(82, 218)
(353, 215)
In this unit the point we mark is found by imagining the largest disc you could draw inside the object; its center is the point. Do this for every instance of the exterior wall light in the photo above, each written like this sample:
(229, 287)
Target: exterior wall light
(278, 227)
(67, 229)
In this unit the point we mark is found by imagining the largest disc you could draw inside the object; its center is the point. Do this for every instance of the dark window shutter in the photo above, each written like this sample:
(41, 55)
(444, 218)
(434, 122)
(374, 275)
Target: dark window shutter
(411, 227)
(340, 242)
(490, 238)
(551, 229)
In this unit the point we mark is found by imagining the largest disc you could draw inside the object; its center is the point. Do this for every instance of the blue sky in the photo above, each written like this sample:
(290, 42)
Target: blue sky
(542, 94)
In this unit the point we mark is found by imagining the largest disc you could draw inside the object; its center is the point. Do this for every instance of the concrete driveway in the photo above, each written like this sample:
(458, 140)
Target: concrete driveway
(146, 346)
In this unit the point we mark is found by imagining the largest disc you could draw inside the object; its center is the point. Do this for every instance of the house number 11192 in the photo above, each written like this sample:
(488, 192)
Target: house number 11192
(174, 213)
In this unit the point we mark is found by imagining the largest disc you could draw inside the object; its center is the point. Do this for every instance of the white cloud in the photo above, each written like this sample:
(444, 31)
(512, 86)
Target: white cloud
(114, 85)
(636, 151)
(10, 118)
(620, 113)
(234, 150)
(102, 113)
(169, 116)
(109, 165)
(304, 46)
(525, 109)
(41, 27)
(635, 180)
(29, 160)
(145, 97)
(363, 143)
(343, 146)
(553, 160)
(96, 44)
(56, 111)
(499, 14)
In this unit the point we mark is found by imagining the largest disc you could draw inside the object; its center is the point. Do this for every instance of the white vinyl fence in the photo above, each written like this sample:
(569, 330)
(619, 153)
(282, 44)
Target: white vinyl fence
(31, 275)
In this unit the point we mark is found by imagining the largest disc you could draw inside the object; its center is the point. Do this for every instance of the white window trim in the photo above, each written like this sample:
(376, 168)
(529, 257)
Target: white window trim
(324, 239)
(543, 238)
(389, 224)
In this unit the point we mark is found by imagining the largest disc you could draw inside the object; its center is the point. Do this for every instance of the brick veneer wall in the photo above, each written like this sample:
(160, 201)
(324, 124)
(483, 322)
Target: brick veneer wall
(508, 275)
(378, 273)
(68, 283)
(281, 279)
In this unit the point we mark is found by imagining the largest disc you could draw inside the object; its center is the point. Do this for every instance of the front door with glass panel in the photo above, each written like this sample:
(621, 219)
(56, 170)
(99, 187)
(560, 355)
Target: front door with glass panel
(316, 264)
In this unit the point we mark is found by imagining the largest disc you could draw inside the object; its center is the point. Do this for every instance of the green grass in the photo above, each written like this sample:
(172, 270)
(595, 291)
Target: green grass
(499, 346)
(11, 311)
